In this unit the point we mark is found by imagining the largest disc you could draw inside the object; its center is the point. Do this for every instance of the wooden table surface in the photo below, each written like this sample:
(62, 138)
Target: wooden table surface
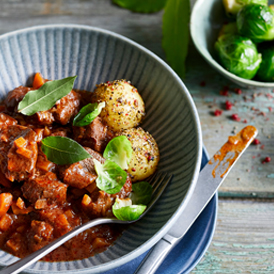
(244, 238)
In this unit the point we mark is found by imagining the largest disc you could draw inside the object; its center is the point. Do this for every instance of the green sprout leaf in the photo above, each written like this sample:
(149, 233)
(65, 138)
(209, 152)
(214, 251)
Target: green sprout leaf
(46, 96)
(111, 178)
(63, 150)
(141, 193)
(119, 150)
(87, 114)
(176, 34)
(125, 211)
(142, 6)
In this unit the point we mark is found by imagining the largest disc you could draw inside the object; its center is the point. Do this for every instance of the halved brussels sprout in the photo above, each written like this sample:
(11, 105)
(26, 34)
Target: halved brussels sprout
(238, 55)
(256, 22)
(125, 211)
(266, 70)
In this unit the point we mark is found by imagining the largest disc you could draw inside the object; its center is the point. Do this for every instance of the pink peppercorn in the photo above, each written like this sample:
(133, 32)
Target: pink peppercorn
(228, 105)
(238, 90)
(266, 160)
(256, 142)
(235, 117)
(218, 112)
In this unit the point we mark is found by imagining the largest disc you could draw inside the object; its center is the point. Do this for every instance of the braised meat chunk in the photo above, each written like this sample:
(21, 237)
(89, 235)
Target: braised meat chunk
(6, 120)
(45, 190)
(67, 107)
(15, 96)
(81, 174)
(63, 111)
(95, 135)
(19, 151)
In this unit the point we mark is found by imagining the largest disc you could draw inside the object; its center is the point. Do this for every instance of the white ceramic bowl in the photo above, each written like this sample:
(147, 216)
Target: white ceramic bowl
(96, 56)
(207, 18)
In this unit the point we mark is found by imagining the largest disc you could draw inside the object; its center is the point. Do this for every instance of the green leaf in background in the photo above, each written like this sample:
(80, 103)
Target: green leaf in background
(176, 33)
(141, 193)
(46, 96)
(87, 114)
(111, 178)
(63, 150)
(143, 6)
(119, 150)
(125, 211)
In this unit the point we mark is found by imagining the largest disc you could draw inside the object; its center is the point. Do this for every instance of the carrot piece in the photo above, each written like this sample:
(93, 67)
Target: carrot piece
(45, 165)
(5, 222)
(16, 210)
(24, 152)
(38, 80)
(20, 203)
(62, 220)
(5, 203)
(99, 243)
(86, 200)
(20, 142)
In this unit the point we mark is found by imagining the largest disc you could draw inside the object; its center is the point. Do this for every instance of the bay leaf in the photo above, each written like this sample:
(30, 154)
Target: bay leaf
(63, 150)
(46, 96)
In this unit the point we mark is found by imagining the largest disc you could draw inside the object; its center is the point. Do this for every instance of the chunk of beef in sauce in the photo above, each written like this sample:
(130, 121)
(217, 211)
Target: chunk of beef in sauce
(96, 135)
(18, 152)
(99, 203)
(39, 235)
(81, 174)
(6, 120)
(62, 112)
(45, 190)
(15, 96)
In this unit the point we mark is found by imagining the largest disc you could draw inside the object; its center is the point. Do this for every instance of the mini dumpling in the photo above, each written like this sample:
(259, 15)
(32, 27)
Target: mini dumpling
(124, 108)
(145, 156)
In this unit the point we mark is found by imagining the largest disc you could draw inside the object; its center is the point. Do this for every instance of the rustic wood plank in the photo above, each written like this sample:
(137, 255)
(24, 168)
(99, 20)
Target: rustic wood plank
(243, 241)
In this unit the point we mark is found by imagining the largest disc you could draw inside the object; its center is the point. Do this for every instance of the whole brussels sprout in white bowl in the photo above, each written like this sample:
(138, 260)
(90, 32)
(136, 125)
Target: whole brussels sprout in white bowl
(209, 23)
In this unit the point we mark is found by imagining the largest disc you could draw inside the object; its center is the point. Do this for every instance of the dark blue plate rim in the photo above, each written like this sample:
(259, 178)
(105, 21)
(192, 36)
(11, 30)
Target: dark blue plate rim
(190, 250)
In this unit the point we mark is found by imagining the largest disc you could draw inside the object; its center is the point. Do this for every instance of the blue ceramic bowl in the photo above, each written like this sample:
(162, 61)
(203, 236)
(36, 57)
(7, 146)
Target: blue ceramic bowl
(96, 56)
(207, 18)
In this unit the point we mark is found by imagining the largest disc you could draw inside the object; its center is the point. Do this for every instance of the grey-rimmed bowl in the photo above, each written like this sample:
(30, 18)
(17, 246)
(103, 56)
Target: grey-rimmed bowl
(96, 55)
(207, 18)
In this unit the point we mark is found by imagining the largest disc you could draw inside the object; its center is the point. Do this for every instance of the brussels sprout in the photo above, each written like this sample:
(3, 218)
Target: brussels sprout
(256, 22)
(230, 28)
(238, 55)
(125, 211)
(232, 7)
(266, 70)
(119, 151)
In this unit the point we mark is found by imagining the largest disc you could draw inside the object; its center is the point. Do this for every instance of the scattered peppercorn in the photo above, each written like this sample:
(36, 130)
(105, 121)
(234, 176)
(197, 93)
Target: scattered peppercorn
(256, 142)
(218, 112)
(228, 105)
(238, 91)
(235, 117)
(266, 160)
